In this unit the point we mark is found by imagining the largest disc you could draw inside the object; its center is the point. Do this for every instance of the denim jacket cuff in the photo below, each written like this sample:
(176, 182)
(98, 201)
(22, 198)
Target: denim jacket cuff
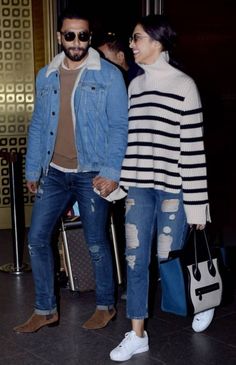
(110, 173)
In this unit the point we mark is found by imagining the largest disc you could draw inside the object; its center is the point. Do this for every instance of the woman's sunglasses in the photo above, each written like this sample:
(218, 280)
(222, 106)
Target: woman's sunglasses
(136, 37)
(70, 36)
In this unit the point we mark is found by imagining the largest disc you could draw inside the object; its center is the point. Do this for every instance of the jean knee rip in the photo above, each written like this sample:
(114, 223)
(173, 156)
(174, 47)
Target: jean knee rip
(132, 243)
(164, 245)
(166, 229)
(170, 205)
(92, 205)
(129, 203)
(131, 261)
(131, 235)
(94, 249)
(95, 253)
(165, 239)
(33, 249)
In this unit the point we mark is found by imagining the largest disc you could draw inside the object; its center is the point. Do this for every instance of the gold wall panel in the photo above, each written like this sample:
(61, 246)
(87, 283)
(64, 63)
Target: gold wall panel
(16, 90)
(39, 34)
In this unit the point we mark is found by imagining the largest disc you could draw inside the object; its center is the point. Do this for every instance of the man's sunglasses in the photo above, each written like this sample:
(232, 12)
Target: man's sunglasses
(70, 36)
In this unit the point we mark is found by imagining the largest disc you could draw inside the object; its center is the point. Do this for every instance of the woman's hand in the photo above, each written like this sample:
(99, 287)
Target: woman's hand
(198, 226)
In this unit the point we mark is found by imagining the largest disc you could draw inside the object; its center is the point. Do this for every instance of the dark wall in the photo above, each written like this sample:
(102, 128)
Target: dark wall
(206, 48)
(116, 16)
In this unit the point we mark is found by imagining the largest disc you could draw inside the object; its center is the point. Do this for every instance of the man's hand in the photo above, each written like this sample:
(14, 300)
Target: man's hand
(105, 186)
(32, 186)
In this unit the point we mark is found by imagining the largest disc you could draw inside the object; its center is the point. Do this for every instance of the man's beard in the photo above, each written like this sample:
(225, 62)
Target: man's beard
(75, 57)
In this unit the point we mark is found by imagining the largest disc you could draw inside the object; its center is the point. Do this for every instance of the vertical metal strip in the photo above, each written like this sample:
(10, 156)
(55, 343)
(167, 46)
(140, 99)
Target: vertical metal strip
(152, 7)
(158, 6)
(50, 27)
(67, 256)
(147, 7)
(114, 241)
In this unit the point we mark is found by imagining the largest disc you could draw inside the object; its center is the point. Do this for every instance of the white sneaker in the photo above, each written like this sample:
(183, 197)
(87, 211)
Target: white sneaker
(130, 345)
(202, 320)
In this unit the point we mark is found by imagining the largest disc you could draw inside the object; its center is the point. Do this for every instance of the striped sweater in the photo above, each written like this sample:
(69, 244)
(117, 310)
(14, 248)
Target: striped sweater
(165, 143)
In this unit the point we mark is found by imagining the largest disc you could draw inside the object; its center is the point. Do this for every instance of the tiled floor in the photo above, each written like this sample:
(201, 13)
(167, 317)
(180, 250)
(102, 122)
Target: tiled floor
(172, 340)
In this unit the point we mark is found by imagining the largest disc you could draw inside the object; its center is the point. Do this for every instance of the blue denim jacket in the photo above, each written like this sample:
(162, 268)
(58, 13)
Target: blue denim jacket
(100, 116)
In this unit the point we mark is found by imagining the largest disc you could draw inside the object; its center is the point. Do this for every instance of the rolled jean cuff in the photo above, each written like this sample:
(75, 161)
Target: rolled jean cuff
(45, 312)
(105, 307)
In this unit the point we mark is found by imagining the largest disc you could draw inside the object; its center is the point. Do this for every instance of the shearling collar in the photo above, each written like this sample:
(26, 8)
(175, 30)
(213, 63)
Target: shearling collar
(92, 62)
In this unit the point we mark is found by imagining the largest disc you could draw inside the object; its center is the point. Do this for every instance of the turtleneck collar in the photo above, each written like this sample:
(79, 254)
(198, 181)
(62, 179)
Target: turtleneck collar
(162, 60)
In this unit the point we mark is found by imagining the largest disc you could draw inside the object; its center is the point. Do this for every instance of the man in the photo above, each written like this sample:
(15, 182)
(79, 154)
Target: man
(76, 143)
(115, 50)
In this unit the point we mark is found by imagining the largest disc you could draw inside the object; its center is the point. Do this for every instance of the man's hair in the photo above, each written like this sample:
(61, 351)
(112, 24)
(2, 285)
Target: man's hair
(72, 12)
(114, 43)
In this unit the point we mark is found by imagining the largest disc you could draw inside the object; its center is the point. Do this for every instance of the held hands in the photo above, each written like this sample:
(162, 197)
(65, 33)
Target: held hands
(32, 186)
(104, 185)
(198, 226)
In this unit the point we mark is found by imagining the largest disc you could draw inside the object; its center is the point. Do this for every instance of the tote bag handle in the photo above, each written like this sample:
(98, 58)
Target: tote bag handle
(211, 267)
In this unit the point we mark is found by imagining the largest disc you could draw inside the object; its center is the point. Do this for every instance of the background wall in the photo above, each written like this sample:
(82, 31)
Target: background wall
(109, 15)
(206, 47)
(16, 89)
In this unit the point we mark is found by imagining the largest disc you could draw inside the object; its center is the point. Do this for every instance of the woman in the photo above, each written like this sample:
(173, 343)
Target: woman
(164, 170)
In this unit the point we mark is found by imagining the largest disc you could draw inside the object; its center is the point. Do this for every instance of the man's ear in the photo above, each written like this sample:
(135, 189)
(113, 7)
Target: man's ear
(121, 56)
(59, 38)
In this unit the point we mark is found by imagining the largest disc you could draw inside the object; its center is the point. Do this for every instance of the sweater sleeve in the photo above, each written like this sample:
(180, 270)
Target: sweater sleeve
(192, 162)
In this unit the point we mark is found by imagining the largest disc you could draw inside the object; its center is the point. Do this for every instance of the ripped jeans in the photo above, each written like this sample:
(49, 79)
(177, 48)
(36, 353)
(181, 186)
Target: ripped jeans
(55, 192)
(149, 211)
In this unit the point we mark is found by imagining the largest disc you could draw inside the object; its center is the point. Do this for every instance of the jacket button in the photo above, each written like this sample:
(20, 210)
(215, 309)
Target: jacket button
(51, 133)
(48, 152)
(55, 91)
(53, 113)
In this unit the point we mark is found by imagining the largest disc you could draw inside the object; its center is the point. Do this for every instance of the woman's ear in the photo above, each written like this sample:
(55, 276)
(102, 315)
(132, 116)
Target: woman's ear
(158, 45)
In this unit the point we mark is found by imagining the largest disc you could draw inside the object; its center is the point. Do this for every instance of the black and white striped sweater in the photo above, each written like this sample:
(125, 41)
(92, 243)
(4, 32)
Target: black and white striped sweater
(165, 143)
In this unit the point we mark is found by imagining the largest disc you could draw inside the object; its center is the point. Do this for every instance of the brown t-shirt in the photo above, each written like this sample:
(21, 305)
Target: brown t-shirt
(65, 153)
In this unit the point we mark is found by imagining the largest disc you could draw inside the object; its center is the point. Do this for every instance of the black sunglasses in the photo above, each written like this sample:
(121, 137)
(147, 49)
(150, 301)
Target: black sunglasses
(136, 37)
(70, 36)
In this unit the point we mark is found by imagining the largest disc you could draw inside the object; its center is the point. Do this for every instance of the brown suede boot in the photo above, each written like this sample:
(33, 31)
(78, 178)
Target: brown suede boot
(37, 321)
(99, 319)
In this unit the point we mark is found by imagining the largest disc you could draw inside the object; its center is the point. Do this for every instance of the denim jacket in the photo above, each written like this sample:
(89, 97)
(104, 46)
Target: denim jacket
(100, 116)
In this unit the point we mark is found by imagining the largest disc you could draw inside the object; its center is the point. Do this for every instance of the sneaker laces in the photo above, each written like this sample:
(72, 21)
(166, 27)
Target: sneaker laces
(198, 317)
(128, 337)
